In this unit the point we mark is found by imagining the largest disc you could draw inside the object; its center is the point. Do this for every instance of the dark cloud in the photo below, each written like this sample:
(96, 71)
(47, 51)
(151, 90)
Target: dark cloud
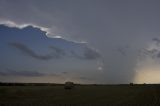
(64, 72)
(154, 51)
(148, 53)
(158, 55)
(2, 73)
(27, 51)
(91, 54)
(87, 54)
(58, 51)
(11, 72)
(123, 50)
(156, 40)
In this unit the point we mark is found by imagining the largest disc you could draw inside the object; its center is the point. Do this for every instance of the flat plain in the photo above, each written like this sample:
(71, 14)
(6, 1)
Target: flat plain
(80, 95)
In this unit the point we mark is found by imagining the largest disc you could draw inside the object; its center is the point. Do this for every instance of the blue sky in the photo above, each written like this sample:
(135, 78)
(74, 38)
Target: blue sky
(93, 41)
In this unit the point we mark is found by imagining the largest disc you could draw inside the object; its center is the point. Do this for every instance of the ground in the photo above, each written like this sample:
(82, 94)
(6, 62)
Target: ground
(81, 95)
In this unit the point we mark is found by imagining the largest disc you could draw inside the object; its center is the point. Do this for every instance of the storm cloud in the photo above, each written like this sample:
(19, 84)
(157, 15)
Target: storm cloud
(106, 25)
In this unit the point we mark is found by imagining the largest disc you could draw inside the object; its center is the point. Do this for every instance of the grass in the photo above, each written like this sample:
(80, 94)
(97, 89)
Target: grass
(81, 95)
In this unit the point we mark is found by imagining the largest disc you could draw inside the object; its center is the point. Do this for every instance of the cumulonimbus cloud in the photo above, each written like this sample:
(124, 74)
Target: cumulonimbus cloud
(89, 53)
(106, 25)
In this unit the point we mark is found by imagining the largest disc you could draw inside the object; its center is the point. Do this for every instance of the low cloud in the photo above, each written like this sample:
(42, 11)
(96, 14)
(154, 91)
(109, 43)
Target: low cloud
(87, 53)
(91, 54)
(152, 51)
(123, 50)
(58, 51)
(11, 72)
(156, 40)
(27, 51)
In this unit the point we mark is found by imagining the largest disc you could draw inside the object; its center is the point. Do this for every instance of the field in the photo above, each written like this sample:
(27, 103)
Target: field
(80, 95)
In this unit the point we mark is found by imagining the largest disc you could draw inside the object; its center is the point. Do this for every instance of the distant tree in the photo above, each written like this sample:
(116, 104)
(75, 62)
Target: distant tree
(69, 85)
(131, 84)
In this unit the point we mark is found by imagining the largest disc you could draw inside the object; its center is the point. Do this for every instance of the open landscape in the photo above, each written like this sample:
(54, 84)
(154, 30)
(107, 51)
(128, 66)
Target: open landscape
(79, 52)
(80, 95)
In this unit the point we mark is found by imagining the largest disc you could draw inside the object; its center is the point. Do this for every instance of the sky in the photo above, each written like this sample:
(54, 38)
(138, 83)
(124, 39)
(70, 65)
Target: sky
(84, 41)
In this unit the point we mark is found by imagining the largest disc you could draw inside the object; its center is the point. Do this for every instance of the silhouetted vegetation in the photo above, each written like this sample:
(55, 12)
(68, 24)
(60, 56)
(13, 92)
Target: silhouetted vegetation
(69, 85)
(29, 84)
(131, 84)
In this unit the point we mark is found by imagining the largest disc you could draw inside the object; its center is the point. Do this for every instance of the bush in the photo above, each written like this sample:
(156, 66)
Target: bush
(131, 84)
(69, 85)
